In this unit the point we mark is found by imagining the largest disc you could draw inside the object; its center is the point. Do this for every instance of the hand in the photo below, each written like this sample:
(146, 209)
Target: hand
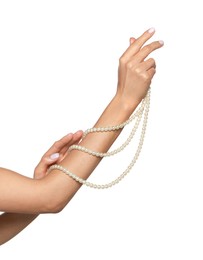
(135, 71)
(56, 153)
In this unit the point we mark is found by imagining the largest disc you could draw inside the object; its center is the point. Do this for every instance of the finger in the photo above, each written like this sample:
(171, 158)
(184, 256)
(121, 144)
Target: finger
(41, 168)
(56, 148)
(56, 152)
(45, 162)
(76, 138)
(151, 72)
(132, 40)
(136, 46)
(148, 49)
(51, 156)
(146, 65)
(58, 145)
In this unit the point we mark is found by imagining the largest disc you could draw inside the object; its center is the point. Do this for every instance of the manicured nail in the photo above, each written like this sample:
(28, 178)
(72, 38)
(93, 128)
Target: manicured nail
(151, 30)
(161, 42)
(54, 156)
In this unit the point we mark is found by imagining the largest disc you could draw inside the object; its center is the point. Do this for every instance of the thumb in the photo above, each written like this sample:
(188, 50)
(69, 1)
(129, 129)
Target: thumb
(41, 169)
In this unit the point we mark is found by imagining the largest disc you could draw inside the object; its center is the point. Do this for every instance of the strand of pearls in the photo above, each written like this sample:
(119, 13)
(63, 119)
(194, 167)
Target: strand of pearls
(100, 129)
(117, 127)
(144, 109)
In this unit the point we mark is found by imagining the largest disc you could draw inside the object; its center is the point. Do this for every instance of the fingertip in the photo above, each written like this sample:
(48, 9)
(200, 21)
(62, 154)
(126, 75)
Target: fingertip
(79, 135)
(161, 43)
(70, 135)
(151, 30)
(79, 132)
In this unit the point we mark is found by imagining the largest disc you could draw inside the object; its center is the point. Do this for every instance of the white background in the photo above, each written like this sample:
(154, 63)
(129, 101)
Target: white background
(58, 71)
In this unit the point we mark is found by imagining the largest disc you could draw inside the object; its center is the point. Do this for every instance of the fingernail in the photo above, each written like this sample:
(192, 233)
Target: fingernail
(161, 42)
(54, 156)
(151, 30)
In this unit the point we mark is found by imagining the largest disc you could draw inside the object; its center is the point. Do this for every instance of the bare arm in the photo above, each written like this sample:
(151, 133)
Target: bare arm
(13, 223)
(54, 191)
(135, 75)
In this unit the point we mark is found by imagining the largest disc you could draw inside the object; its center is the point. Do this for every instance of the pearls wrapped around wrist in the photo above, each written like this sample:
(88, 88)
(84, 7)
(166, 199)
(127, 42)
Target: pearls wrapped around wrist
(141, 112)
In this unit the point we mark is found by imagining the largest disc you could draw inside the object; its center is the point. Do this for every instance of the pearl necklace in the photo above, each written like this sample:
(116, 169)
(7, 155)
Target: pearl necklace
(143, 110)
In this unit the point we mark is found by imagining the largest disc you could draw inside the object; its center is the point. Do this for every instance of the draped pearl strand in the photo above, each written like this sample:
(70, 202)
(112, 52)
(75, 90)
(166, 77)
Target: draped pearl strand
(141, 112)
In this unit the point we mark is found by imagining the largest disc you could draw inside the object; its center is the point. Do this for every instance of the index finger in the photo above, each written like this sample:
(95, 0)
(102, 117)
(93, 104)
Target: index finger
(63, 143)
(58, 145)
(137, 45)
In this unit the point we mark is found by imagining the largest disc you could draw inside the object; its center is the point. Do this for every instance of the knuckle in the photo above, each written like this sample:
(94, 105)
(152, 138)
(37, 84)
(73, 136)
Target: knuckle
(138, 70)
(56, 145)
(43, 160)
(147, 48)
(129, 65)
(151, 60)
(122, 60)
(146, 77)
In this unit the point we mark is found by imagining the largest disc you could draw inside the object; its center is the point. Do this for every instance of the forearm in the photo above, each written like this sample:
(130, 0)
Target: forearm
(13, 223)
(83, 164)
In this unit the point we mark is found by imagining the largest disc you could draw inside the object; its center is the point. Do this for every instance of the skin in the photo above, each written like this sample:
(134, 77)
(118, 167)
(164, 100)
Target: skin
(24, 198)
(13, 223)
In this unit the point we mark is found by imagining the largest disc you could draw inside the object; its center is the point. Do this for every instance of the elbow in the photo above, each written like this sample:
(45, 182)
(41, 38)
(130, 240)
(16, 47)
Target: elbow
(53, 206)
(57, 208)
(52, 199)
(56, 204)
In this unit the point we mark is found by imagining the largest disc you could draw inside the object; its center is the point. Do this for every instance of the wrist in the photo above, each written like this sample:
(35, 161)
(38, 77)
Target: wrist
(127, 105)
